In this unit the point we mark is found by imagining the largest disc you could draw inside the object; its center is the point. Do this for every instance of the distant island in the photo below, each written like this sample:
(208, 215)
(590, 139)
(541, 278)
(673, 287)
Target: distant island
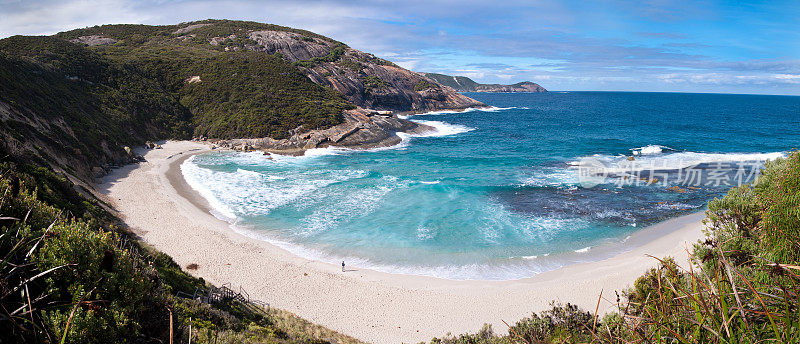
(465, 84)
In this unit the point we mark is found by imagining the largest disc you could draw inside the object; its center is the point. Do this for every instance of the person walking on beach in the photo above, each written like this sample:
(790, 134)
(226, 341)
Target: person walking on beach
(342, 266)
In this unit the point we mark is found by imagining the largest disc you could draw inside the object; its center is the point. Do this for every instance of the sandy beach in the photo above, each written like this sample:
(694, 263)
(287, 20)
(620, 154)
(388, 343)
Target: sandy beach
(158, 205)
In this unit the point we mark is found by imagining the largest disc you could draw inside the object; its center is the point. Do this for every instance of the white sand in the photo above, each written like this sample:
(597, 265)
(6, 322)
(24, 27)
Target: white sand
(372, 306)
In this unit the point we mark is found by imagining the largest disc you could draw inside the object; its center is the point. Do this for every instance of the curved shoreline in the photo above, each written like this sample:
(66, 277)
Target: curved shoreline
(549, 262)
(370, 305)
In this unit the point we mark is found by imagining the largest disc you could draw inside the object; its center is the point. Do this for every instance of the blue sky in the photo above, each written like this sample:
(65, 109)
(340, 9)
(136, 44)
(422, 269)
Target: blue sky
(655, 45)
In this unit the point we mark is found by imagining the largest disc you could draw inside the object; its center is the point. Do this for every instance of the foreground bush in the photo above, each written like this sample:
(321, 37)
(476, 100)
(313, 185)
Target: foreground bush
(67, 275)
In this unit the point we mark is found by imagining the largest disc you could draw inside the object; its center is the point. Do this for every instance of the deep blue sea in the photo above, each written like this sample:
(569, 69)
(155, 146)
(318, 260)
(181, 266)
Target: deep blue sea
(533, 183)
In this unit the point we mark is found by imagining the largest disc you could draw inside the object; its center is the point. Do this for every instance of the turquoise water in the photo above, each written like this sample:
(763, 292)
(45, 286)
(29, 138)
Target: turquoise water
(501, 193)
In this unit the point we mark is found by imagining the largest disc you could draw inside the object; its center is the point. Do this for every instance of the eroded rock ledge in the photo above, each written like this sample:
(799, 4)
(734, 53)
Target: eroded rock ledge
(362, 129)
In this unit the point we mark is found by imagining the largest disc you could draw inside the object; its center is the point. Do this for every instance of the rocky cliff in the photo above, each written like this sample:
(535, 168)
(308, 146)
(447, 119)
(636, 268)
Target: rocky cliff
(465, 84)
(365, 80)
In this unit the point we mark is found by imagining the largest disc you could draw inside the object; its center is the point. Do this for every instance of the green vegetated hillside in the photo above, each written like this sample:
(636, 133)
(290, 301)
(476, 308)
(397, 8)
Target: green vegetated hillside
(744, 286)
(64, 103)
(77, 98)
(68, 274)
(78, 105)
(236, 94)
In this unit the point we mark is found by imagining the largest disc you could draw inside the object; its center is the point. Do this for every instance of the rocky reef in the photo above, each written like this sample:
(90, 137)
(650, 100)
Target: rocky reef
(362, 129)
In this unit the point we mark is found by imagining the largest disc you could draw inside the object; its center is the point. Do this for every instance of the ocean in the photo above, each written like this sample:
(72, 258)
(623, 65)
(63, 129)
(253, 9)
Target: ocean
(535, 182)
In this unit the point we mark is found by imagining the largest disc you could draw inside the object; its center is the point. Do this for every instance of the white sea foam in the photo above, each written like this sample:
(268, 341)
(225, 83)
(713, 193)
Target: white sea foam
(429, 182)
(246, 193)
(441, 129)
(535, 228)
(239, 158)
(584, 250)
(361, 202)
(194, 175)
(608, 213)
(553, 177)
(424, 233)
(649, 150)
(653, 158)
(676, 205)
(309, 154)
(252, 173)
(481, 109)
(316, 152)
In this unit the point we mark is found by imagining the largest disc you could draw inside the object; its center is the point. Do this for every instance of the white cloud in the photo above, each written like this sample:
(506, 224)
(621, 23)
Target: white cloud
(728, 79)
(788, 78)
(37, 18)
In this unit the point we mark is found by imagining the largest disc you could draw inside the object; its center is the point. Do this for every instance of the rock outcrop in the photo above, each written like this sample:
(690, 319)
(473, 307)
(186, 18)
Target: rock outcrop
(362, 129)
(93, 40)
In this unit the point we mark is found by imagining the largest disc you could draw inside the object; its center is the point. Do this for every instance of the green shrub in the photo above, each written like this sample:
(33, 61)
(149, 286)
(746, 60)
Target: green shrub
(333, 55)
(373, 83)
(424, 85)
(354, 66)
(77, 277)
